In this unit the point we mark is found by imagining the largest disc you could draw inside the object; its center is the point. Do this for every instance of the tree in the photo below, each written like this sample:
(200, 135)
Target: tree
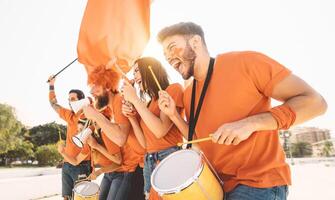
(46, 134)
(9, 128)
(48, 155)
(23, 151)
(301, 149)
(327, 149)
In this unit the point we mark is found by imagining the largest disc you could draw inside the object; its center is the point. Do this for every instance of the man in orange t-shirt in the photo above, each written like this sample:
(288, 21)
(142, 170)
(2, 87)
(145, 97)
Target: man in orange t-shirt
(236, 109)
(104, 84)
(76, 160)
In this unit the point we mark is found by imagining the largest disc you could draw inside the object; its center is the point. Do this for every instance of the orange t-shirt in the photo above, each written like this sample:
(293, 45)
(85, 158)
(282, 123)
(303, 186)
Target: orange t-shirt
(241, 85)
(132, 152)
(72, 129)
(173, 136)
(111, 147)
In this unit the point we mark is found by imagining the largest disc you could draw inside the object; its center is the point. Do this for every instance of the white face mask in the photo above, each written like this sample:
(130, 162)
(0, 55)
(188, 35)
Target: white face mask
(78, 105)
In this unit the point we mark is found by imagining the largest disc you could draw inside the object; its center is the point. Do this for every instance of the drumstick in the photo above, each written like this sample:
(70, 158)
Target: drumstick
(54, 76)
(195, 141)
(153, 75)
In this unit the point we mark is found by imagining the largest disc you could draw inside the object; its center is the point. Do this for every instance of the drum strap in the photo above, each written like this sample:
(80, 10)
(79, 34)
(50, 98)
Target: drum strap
(194, 119)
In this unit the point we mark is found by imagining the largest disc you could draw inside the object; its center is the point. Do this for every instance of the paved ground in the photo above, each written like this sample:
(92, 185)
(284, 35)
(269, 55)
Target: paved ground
(310, 181)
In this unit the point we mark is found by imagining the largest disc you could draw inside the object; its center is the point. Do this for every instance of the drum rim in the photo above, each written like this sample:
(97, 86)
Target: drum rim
(182, 186)
(91, 195)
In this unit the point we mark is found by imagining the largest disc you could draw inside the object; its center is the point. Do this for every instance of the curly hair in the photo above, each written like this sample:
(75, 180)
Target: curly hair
(107, 78)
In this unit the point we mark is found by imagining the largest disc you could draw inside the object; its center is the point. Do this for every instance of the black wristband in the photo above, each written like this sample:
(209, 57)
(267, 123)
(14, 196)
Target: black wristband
(51, 87)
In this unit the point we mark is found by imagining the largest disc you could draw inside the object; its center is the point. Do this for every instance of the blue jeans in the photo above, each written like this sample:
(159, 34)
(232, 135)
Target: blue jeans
(150, 162)
(115, 186)
(243, 192)
(71, 173)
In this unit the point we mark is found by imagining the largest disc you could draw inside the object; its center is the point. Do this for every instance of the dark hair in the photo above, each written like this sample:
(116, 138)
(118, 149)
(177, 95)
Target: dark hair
(182, 28)
(80, 94)
(149, 85)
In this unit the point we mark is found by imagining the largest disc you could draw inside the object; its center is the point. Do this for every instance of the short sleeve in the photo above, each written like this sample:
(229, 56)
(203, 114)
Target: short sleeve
(65, 114)
(264, 72)
(117, 110)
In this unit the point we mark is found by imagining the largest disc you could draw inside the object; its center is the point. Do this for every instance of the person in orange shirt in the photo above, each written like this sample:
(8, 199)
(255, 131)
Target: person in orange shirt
(104, 84)
(155, 131)
(76, 160)
(108, 156)
(237, 88)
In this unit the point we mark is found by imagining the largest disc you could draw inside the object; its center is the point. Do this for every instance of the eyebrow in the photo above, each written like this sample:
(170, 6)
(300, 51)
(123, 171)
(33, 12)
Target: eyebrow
(169, 46)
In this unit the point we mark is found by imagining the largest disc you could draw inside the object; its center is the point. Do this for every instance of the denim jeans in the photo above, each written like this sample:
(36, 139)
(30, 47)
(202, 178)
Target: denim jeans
(71, 173)
(150, 163)
(243, 192)
(115, 186)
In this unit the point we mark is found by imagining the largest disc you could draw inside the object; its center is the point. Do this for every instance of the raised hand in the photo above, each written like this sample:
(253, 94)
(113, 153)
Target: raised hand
(166, 104)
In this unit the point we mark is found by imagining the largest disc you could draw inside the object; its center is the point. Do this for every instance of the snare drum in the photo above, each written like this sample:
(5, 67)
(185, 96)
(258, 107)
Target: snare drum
(184, 175)
(86, 190)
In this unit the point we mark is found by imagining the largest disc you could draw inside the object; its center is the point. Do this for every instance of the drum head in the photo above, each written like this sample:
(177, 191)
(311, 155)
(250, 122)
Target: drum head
(176, 171)
(86, 188)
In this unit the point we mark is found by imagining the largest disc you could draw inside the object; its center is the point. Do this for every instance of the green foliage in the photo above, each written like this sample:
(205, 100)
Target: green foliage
(327, 149)
(46, 134)
(301, 149)
(23, 151)
(9, 129)
(47, 155)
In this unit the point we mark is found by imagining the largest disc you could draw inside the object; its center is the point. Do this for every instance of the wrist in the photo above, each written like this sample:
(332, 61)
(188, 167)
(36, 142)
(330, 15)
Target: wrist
(51, 87)
(137, 102)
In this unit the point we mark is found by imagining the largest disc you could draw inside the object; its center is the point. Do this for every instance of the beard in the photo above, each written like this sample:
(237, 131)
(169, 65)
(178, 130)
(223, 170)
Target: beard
(188, 58)
(102, 100)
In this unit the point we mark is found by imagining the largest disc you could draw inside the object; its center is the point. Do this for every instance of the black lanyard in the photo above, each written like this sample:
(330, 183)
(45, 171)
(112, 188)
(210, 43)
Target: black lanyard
(194, 119)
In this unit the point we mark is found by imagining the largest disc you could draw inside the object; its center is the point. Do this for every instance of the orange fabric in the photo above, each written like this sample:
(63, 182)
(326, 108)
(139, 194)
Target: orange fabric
(153, 195)
(113, 29)
(241, 85)
(111, 147)
(133, 154)
(173, 136)
(72, 122)
(284, 116)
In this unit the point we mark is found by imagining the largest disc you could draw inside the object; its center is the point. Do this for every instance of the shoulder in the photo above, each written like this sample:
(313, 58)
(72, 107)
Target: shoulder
(175, 88)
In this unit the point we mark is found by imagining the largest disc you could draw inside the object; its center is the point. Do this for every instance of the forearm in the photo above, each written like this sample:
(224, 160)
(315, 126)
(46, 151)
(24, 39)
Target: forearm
(113, 131)
(307, 106)
(154, 123)
(180, 123)
(53, 99)
(115, 158)
(138, 132)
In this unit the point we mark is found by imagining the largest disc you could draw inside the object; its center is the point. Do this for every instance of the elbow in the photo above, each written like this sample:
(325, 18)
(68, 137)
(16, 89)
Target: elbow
(323, 106)
(160, 134)
(121, 141)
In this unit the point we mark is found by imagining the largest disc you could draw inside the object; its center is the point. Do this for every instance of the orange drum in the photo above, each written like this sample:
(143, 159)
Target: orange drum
(184, 175)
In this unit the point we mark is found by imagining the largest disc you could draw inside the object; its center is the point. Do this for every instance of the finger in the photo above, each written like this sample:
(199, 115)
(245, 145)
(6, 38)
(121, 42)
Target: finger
(236, 141)
(216, 136)
(229, 139)
(223, 136)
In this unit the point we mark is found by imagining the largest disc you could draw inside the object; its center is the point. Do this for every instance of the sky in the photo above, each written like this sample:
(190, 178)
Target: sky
(39, 37)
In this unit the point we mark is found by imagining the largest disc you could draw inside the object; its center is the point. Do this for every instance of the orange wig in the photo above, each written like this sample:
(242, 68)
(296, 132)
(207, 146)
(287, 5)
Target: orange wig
(107, 78)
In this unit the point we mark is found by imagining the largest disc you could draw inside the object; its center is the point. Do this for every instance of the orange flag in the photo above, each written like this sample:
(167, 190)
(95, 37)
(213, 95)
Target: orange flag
(113, 32)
